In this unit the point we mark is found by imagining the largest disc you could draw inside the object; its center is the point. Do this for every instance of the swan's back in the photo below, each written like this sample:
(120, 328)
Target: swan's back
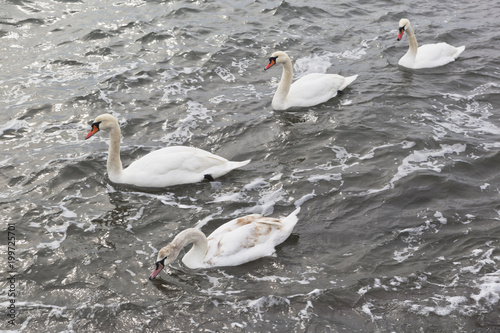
(177, 165)
(432, 55)
(316, 88)
(247, 238)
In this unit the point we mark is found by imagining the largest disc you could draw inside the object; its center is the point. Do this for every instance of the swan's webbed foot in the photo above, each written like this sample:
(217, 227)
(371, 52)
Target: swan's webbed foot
(208, 177)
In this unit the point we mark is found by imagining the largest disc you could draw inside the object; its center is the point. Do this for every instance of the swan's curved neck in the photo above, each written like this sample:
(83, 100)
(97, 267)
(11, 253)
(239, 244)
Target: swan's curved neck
(285, 83)
(114, 162)
(195, 256)
(412, 40)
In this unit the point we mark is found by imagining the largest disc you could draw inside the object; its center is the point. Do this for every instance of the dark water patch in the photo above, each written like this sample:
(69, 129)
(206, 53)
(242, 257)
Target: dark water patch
(96, 34)
(34, 112)
(154, 37)
(67, 62)
(33, 21)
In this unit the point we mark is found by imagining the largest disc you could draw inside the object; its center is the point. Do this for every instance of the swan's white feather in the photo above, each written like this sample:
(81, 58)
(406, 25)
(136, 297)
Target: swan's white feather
(176, 165)
(247, 238)
(314, 89)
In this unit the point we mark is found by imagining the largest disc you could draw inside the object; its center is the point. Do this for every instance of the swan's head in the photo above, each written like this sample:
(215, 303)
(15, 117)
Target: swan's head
(403, 25)
(278, 57)
(165, 256)
(103, 122)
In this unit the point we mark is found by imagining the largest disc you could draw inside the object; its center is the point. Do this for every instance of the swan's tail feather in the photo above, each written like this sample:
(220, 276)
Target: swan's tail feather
(288, 223)
(235, 165)
(348, 80)
(291, 219)
(218, 170)
(460, 49)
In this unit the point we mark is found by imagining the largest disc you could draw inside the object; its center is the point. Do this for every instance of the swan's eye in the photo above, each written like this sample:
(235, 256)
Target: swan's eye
(402, 29)
(160, 262)
(273, 59)
(96, 125)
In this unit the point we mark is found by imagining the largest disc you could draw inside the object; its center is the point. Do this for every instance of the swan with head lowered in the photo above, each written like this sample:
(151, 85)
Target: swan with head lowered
(309, 90)
(164, 167)
(234, 243)
(425, 56)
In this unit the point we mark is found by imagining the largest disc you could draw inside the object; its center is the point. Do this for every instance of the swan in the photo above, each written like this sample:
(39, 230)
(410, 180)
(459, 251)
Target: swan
(309, 90)
(234, 243)
(164, 167)
(425, 56)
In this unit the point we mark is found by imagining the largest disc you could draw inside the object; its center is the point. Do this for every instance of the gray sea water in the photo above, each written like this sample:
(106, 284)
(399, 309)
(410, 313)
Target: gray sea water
(397, 177)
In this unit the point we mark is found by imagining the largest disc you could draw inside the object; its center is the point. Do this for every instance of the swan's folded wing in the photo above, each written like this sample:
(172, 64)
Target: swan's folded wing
(172, 166)
(314, 89)
(435, 55)
(241, 245)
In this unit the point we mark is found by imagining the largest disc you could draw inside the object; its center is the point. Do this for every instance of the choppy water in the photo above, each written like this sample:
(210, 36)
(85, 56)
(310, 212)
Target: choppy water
(397, 177)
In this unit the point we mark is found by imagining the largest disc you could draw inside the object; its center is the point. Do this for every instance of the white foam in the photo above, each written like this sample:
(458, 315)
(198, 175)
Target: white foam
(238, 325)
(242, 65)
(260, 305)
(138, 215)
(313, 63)
(229, 197)
(276, 177)
(268, 195)
(168, 199)
(325, 177)
(484, 186)
(257, 183)
(272, 278)
(404, 254)
(484, 260)
(440, 217)
(299, 202)
(174, 89)
(304, 313)
(489, 290)
(238, 93)
(420, 160)
(412, 236)
(195, 113)
(13, 125)
(269, 198)
(367, 309)
(473, 271)
(208, 218)
(130, 272)
(448, 305)
(467, 115)
(66, 212)
(225, 74)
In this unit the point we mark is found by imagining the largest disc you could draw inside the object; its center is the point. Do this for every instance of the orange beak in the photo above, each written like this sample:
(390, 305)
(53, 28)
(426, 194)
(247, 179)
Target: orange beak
(401, 32)
(272, 62)
(93, 131)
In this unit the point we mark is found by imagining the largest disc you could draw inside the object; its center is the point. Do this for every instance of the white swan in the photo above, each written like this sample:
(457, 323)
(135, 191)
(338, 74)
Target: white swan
(160, 168)
(425, 56)
(309, 90)
(234, 243)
